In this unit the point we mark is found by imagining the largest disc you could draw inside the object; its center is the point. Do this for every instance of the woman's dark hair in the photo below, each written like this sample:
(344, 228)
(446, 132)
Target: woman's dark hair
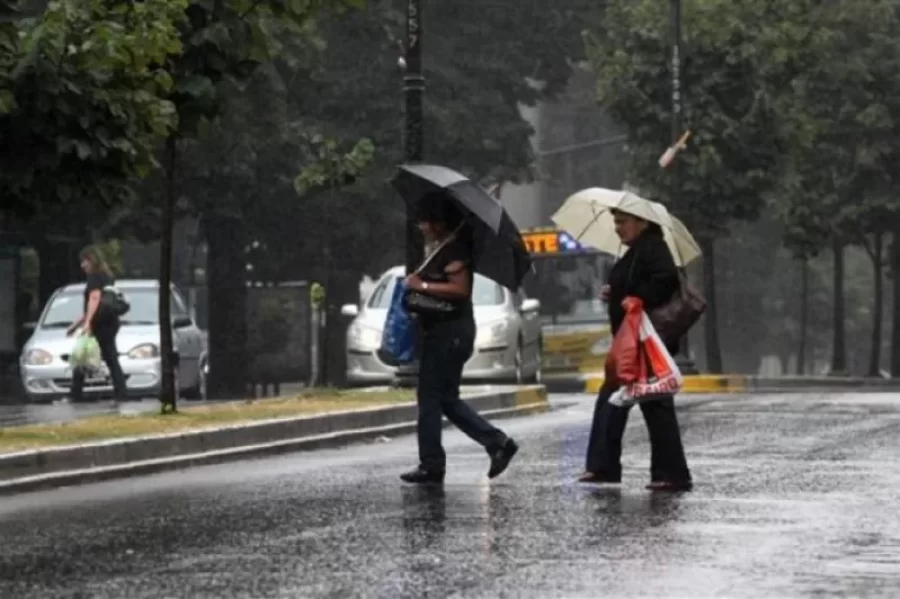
(652, 228)
(438, 208)
(95, 256)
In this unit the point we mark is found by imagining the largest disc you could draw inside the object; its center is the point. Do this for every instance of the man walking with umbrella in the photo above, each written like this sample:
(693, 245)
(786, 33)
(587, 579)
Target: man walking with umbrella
(439, 293)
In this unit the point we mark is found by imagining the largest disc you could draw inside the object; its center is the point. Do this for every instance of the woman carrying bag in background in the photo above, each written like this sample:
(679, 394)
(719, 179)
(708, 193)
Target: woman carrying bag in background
(100, 319)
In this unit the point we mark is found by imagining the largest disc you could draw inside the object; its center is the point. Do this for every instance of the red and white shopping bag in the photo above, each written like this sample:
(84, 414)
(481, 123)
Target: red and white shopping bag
(639, 360)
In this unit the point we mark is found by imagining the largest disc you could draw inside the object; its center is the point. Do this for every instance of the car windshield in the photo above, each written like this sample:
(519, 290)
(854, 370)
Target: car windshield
(484, 292)
(68, 306)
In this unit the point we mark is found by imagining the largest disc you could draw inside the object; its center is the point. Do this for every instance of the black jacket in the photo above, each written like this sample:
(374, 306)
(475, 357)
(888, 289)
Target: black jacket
(647, 271)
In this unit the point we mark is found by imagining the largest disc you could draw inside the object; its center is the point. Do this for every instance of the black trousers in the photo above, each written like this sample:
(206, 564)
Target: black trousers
(604, 454)
(445, 348)
(106, 339)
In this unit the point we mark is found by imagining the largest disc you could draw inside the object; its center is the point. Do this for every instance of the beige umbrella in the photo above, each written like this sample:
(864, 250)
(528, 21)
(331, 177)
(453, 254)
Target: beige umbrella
(587, 216)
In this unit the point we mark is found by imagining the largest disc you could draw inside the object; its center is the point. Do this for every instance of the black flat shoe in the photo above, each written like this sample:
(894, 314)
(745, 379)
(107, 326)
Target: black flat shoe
(422, 476)
(599, 478)
(501, 458)
(671, 486)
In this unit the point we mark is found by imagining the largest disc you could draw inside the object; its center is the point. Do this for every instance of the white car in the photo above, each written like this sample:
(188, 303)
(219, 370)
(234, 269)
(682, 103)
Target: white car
(508, 344)
(44, 363)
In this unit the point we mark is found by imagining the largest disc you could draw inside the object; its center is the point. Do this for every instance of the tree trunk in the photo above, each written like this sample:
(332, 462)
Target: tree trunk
(839, 325)
(877, 256)
(228, 312)
(57, 266)
(711, 321)
(168, 394)
(804, 317)
(895, 321)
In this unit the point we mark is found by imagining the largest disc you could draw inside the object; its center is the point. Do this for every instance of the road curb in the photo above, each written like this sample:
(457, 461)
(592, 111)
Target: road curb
(706, 384)
(64, 466)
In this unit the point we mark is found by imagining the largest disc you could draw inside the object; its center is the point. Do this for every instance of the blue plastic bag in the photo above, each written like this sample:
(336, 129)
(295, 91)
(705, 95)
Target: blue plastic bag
(399, 338)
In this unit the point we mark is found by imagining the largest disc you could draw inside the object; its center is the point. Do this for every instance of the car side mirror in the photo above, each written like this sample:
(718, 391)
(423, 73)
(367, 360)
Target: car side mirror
(182, 323)
(350, 310)
(530, 305)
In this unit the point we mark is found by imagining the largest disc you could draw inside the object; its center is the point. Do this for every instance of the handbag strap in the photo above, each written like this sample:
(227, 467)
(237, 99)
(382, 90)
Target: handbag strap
(436, 251)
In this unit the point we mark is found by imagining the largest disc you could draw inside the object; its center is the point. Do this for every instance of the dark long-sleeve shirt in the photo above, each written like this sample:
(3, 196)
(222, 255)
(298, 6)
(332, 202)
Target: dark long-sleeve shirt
(647, 271)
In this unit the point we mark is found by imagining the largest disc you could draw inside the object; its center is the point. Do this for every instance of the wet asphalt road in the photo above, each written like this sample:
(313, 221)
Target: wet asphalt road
(796, 496)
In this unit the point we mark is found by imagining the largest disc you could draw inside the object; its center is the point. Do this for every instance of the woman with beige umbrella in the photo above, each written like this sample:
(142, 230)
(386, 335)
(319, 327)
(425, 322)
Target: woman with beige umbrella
(656, 245)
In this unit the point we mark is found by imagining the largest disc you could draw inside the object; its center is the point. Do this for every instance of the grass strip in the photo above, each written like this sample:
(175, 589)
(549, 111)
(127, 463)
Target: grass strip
(189, 418)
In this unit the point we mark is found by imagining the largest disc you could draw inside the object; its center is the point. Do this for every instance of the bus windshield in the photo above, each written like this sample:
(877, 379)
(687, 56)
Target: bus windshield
(568, 287)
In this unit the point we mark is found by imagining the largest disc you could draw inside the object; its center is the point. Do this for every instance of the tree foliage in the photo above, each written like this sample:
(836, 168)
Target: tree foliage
(84, 100)
(833, 73)
(734, 154)
(733, 159)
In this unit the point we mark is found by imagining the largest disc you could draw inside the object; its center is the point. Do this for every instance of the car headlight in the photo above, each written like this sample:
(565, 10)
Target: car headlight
(38, 357)
(491, 334)
(144, 351)
(363, 338)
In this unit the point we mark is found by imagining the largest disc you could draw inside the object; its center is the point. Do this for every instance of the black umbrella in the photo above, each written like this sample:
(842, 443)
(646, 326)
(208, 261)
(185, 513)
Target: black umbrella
(415, 181)
(498, 249)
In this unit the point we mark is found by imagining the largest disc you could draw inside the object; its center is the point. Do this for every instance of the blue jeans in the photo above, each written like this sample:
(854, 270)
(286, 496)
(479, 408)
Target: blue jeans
(446, 346)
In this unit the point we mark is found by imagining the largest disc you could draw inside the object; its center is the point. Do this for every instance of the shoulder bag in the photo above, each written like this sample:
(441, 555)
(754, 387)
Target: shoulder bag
(675, 318)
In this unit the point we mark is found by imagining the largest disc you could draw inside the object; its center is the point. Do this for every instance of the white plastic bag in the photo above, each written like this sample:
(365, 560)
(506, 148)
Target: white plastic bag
(659, 375)
(86, 354)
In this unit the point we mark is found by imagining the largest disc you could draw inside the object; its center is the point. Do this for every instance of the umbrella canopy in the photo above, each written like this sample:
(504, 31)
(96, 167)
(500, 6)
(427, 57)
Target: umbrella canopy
(415, 181)
(587, 216)
(499, 253)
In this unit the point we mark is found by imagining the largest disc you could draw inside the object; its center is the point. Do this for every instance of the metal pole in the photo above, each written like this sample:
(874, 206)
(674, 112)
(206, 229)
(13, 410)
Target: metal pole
(675, 17)
(413, 91)
(413, 146)
(684, 360)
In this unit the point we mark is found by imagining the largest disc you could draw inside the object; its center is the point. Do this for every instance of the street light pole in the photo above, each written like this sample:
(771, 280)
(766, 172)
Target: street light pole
(414, 139)
(675, 18)
(413, 148)
(684, 360)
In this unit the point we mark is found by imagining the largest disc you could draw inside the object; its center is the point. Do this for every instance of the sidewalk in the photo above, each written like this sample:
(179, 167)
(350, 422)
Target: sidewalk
(735, 383)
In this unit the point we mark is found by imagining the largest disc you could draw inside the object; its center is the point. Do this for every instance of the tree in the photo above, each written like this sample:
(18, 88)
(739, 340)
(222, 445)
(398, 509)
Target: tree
(834, 76)
(83, 89)
(729, 168)
(224, 42)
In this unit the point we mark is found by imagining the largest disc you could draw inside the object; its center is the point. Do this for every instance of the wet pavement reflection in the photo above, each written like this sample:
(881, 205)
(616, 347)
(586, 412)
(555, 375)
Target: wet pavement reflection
(796, 496)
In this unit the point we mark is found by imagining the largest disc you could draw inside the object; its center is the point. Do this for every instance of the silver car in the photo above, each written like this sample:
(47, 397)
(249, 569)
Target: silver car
(508, 344)
(44, 368)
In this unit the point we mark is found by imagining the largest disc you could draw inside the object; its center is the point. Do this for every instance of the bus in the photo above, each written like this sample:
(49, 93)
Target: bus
(566, 279)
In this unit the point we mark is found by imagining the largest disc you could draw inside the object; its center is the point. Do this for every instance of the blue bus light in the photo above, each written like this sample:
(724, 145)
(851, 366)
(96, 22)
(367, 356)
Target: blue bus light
(567, 243)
